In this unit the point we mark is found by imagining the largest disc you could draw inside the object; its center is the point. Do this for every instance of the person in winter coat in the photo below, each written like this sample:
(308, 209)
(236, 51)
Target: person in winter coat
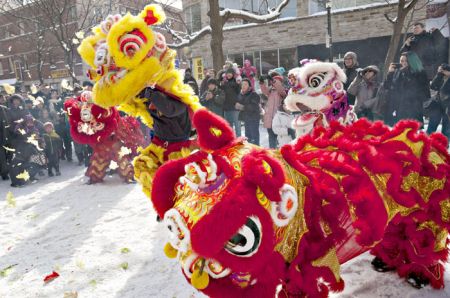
(189, 79)
(408, 88)
(249, 71)
(248, 104)
(213, 98)
(16, 109)
(275, 93)
(440, 109)
(53, 145)
(209, 74)
(431, 47)
(4, 137)
(28, 153)
(351, 71)
(62, 128)
(281, 125)
(364, 87)
(231, 89)
(55, 103)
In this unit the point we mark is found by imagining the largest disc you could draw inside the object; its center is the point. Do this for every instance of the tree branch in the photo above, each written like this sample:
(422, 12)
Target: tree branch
(393, 21)
(272, 14)
(188, 39)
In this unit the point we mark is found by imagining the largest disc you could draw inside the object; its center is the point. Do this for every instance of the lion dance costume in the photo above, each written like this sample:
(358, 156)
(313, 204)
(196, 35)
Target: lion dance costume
(129, 60)
(318, 93)
(243, 220)
(112, 137)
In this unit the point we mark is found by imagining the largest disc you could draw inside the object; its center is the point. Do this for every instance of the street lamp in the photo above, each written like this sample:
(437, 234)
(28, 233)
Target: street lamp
(329, 42)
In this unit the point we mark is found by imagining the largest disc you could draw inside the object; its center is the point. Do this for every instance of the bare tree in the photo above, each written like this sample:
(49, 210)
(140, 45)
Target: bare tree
(217, 20)
(403, 7)
(59, 23)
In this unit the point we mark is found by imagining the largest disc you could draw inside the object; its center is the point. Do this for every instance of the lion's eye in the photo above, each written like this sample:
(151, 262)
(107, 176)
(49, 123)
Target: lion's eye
(316, 79)
(246, 241)
(132, 42)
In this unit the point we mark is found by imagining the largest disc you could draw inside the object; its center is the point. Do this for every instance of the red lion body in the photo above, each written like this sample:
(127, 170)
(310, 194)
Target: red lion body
(107, 133)
(244, 220)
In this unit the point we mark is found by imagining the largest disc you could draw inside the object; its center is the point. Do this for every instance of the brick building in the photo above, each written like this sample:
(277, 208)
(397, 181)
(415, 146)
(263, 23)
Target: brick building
(358, 25)
(20, 57)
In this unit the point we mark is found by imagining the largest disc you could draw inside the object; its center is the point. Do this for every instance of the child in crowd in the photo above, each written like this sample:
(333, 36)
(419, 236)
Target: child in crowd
(53, 145)
(281, 125)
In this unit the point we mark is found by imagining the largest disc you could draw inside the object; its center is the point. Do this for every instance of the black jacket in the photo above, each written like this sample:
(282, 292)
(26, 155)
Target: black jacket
(231, 89)
(351, 74)
(442, 85)
(407, 92)
(171, 120)
(214, 104)
(53, 145)
(250, 101)
(432, 49)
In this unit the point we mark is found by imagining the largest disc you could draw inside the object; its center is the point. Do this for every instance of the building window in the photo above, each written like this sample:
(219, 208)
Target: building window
(269, 60)
(1, 68)
(72, 15)
(193, 18)
(316, 6)
(288, 58)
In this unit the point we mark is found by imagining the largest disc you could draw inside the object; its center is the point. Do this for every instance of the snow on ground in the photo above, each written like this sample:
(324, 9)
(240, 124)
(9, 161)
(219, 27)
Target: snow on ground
(84, 232)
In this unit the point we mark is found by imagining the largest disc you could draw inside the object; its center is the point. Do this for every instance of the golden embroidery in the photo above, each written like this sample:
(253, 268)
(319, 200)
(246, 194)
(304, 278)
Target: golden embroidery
(331, 261)
(425, 186)
(440, 234)
(416, 147)
(445, 210)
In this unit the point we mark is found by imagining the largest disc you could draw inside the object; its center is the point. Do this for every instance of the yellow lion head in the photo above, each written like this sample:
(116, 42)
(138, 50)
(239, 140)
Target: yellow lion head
(125, 55)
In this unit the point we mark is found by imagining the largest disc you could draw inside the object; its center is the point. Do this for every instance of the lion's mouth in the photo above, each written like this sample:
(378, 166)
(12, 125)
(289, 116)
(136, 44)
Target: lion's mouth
(303, 108)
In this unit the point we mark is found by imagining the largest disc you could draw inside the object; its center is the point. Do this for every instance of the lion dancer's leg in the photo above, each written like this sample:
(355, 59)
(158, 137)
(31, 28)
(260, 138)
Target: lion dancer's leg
(125, 169)
(416, 247)
(98, 165)
(151, 158)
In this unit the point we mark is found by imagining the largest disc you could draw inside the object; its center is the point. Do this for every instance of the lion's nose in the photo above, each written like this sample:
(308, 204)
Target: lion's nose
(179, 236)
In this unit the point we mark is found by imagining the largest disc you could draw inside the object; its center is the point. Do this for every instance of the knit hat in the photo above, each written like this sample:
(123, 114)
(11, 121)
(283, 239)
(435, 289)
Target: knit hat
(39, 100)
(374, 68)
(230, 70)
(213, 81)
(48, 124)
(353, 56)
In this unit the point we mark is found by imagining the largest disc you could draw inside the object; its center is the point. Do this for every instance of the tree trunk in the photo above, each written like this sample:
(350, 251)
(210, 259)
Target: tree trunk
(216, 24)
(395, 39)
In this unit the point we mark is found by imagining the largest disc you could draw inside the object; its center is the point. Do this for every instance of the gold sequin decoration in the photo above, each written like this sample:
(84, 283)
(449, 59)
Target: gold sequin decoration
(416, 147)
(440, 234)
(425, 186)
(435, 159)
(392, 207)
(331, 261)
(445, 210)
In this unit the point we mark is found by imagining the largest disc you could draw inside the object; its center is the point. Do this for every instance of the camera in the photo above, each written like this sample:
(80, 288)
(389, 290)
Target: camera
(397, 65)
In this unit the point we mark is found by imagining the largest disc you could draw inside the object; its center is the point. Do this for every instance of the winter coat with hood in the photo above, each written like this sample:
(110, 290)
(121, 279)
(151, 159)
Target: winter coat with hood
(351, 73)
(281, 124)
(364, 89)
(275, 94)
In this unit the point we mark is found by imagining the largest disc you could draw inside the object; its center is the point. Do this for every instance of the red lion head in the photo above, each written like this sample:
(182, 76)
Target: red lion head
(89, 123)
(243, 188)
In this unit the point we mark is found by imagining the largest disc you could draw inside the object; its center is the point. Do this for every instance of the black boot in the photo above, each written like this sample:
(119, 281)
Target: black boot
(50, 173)
(381, 266)
(417, 281)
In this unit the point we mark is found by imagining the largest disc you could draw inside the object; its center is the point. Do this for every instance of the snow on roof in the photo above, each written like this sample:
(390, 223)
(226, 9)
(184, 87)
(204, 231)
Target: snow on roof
(353, 8)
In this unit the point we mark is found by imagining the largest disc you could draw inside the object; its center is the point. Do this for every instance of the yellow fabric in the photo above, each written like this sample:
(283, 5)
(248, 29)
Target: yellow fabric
(144, 68)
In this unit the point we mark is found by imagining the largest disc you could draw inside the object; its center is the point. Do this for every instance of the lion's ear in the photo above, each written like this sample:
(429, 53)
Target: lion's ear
(213, 131)
(153, 14)
(265, 172)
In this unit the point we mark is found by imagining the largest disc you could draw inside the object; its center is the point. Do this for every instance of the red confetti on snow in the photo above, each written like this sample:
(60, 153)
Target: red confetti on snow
(51, 277)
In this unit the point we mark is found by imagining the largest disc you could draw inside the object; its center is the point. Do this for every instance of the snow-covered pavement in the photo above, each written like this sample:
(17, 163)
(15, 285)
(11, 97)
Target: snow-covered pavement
(104, 241)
